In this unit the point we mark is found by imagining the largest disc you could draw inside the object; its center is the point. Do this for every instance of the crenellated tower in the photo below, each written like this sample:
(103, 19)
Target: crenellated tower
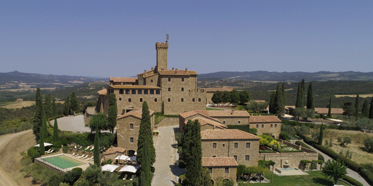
(161, 55)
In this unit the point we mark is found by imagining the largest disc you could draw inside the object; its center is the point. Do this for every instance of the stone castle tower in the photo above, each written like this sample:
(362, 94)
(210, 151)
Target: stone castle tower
(161, 55)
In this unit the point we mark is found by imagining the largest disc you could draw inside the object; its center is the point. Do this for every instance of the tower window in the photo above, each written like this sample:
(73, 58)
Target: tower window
(193, 100)
(133, 91)
(131, 126)
(275, 125)
(169, 89)
(182, 88)
(247, 157)
(155, 100)
(182, 99)
(235, 145)
(120, 99)
(151, 81)
(257, 126)
(239, 122)
(247, 145)
(262, 125)
(129, 99)
(182, 79)
(271, 125)
(127, 91)
(145, 91)
(151, 91)
(140, 99)
(214, 145)
(235, 157)
(169, 99)
(169, 79)
(139, 91)
(157, 92)
(131, 139)
(120, 91)
(199, 99)
(226, 170)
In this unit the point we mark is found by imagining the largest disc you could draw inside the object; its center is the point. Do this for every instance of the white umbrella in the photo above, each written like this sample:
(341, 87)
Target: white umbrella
(133, 158)
(45, 144)
(129, 168)
(122, 157)
(109, 167)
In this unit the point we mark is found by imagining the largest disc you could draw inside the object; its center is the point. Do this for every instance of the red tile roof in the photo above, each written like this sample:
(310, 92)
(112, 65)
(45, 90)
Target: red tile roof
(217, 113)
(177, 72)
(124, 79)
(219, 162)
(135, 113)
(206, 121)
(264, 119)
(113, 150)
(226, 134)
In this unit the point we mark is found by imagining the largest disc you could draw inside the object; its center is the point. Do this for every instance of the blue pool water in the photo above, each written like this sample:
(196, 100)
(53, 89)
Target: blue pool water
(286, 169)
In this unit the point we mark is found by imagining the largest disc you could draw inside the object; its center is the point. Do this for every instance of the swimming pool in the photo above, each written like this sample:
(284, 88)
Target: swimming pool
(287, 169)
(63, 162)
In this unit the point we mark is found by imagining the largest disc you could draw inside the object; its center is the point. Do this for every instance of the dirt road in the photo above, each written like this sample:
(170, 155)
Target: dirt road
(11, 145)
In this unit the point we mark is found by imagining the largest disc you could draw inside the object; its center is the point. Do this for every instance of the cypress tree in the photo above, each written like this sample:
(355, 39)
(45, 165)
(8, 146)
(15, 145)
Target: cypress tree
(302, 93)
(357, 106)
(321, 137)
(330, 107)
(41, 142)
(187, 140)
(280, 108)
(54, 108)
(45, 127)
(66, 110)
(73, 103)
(283, 94)
(96, 150)
(193, 171)
(48, 106)
(298, 99)
(310, 102)
(145, 170)
(163, 107)
(145, 134)
(38, 117)
(365, 109)
(112, 113)
(55, 130)
(272, 102)
(371, 109)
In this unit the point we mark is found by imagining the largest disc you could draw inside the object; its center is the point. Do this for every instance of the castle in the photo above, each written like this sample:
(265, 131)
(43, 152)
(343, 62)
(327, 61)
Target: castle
(176, 89)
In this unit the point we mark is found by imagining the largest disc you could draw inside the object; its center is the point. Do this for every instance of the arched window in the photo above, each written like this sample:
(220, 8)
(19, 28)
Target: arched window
(129, 99)
(140, 99)
(120, 91)
(182, 99)
(193, 100)
(151, 81)
(169, 88)
(145, 91)
(151, 91)
(139, 91)
(182, 88)
(169, 99)
(133, 91)
(182, 79)
(155, 100)
(199, 99)
(120, 99)
(157, 92)
(169, 79)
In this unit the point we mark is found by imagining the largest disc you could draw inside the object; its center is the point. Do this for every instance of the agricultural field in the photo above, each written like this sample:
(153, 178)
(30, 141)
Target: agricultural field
(354, 96)
(360, 155)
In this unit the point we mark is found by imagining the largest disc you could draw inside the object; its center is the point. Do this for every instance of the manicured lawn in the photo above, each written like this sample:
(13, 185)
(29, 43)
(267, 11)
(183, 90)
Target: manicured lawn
(315, 178)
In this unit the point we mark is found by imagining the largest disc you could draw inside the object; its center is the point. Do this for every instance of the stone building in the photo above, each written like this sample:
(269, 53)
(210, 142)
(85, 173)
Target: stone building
(266, 124)
(221, 167)
(242, 146)
(177, 89)
(128, 126)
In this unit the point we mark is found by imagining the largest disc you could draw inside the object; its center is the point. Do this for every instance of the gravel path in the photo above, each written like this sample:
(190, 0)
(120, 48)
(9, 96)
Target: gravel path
(350, 172)
(72, 123)
(167, 171)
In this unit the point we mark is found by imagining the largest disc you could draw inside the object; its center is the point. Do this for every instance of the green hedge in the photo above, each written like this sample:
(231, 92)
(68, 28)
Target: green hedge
(320, 157)
(65, 149)
(303, 144)
(311, 125)
(367, 175)
(351, 180)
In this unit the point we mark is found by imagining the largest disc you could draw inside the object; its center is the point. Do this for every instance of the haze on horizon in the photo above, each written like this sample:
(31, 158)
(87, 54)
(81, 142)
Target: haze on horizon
(97, 38)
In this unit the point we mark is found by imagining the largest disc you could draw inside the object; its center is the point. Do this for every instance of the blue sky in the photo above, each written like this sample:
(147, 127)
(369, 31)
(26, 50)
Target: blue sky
(117, 38)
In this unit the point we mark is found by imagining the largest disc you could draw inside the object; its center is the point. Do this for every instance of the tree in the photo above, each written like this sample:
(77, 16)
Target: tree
(72, 176)
(48, 106)
(371, 109)
(365, 109)
(98, 120)
(91, 174)
(280, 108)
(226, 97)
(244, 97)
(54, 181)
(299, 112)
(321, 136)
(96, 150)
(194, 165)
(272, 102)
(256, 107)
(73, 103)
(217, 97)
(330, 107)
(55, 130)
(112, 113)
(54, 108)
(368, 143)
(39, 112)
(66, 109)
(145, 170)
(348, 109)
(145, 134)
(45, 128)
(283, 93)
(162, 107)
(206, 177)
(344, 141)
(235, 97)
(297, 101)
(357, 106)
(187, 140)
(300, 95)
(41, 141)
(334, 169)
(310, 102)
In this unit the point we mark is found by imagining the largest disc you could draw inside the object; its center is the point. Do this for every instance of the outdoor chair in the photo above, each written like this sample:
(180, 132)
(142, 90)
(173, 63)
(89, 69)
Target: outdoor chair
(92, 148)
(81, 156)
(73, 154)
(87, 148)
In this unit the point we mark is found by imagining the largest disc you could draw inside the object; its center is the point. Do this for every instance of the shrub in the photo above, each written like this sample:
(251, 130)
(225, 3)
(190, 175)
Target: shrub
(368, 143)
(109, 161)
(320, 157)
(182, 164)
(352, 181)
(72, 176)
(367, 175)
(65, 149)
(54, 181)
(303, 144)
(284, 135)
(64, 142)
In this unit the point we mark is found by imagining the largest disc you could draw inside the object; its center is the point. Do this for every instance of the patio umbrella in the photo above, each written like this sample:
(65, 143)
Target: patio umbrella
(133, 158)
(129, 168)
(45, 144)
(109, 167)
(122, 157)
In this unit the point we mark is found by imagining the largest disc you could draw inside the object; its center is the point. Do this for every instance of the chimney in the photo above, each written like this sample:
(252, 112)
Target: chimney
(186, 69)
(152, 68)
(144, 71)
(173, 68)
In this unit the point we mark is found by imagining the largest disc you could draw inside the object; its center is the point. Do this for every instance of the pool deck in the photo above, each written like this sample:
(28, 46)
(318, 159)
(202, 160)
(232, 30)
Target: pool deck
(86, 162)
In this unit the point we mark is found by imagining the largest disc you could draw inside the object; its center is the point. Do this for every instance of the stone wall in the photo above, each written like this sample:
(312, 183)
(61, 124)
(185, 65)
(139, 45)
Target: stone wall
(225, 148)
(233, 120)
(267, 128)
(293, 158)
(220, 172)
(168, 121)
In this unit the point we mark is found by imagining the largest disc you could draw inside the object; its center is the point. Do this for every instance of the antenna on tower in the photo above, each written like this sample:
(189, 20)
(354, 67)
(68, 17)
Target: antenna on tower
(167, 38)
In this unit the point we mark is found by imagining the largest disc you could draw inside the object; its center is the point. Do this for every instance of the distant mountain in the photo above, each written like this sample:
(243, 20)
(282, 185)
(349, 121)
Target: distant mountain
(289, 76)
(21, 80)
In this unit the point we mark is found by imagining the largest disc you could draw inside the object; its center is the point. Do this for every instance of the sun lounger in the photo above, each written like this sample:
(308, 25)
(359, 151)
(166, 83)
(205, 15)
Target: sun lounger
(87, 148)
(51, 151)
(75, 146)
(81, 156)
(73, 154)
(80, 147)
(92, 148)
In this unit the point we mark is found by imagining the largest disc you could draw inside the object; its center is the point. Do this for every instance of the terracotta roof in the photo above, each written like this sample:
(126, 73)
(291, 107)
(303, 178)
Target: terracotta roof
(135, 86)
(177, 72)
(113, 150)
(217, 89)
(123, 79)
(219, 162)
(102, 92)
(259, 101)
(264, 119)
(135, 113)
(91, 110)
(326, 110)
(206, 121)
(226, 134)
(217, 113)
